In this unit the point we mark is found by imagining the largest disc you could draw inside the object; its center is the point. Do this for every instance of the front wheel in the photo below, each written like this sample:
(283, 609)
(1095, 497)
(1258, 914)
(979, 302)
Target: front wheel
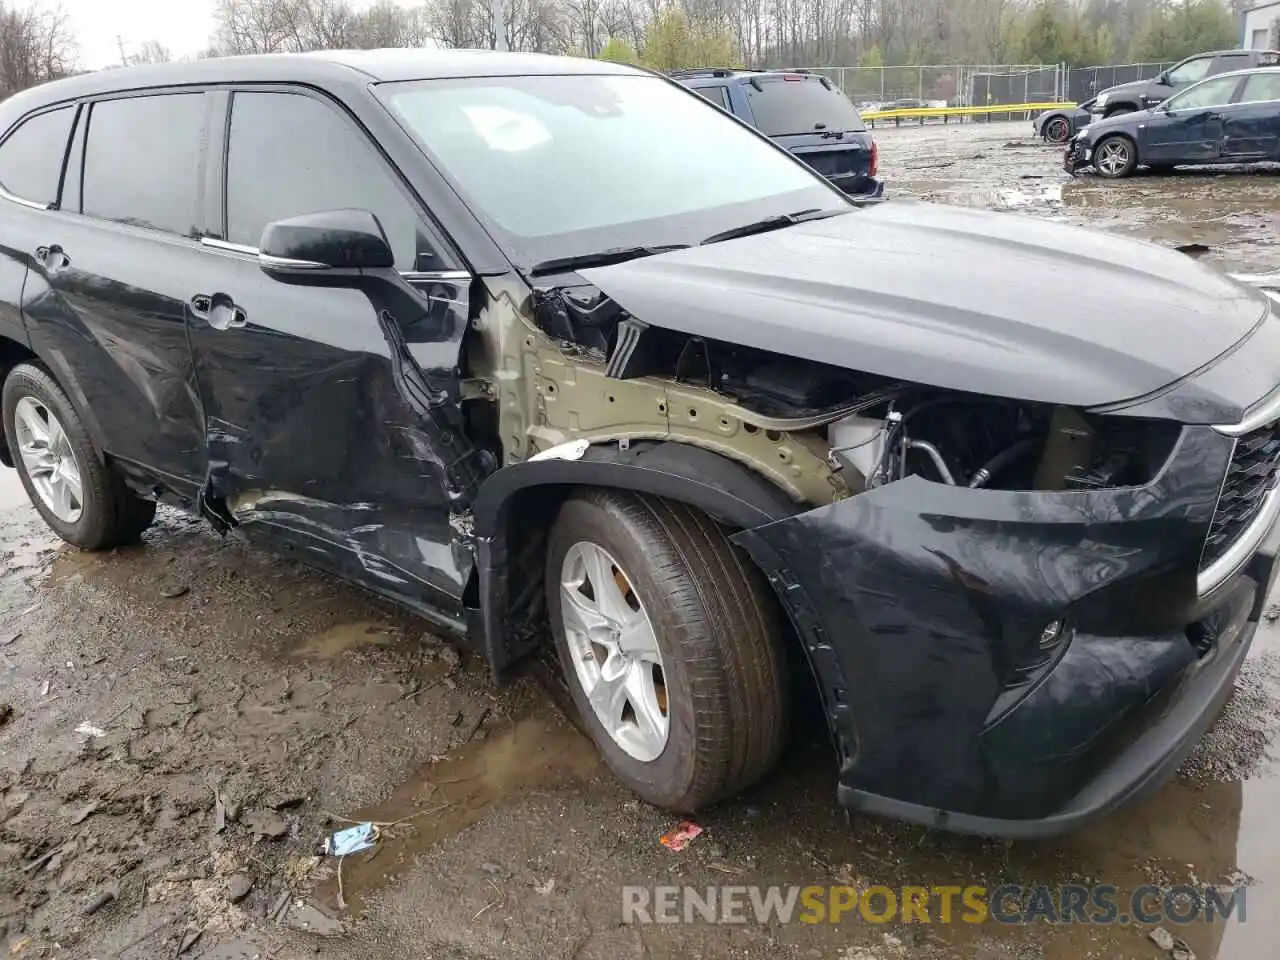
(79, 496)
(669, 642)
(1115, 157)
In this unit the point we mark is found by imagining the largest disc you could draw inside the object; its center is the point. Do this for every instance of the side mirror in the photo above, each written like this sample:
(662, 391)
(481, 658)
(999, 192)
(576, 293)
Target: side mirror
(319, 242)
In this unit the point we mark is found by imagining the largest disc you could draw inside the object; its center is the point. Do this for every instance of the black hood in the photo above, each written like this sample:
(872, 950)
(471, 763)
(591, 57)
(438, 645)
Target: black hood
(993, 303)
(1134, 89)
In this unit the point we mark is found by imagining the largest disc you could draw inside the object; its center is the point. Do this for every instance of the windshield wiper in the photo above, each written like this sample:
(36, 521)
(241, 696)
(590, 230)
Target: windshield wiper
(600, 258)
(772, 223)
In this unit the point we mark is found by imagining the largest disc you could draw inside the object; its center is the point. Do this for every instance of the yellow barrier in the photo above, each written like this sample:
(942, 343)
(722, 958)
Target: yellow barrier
(944, 112)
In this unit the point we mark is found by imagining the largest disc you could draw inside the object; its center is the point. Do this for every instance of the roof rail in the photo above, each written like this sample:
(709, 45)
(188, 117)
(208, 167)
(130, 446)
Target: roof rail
(701, 71)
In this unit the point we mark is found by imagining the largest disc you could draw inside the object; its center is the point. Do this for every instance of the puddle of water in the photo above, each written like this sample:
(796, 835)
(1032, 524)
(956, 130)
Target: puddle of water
(444, 798)
(344, 638)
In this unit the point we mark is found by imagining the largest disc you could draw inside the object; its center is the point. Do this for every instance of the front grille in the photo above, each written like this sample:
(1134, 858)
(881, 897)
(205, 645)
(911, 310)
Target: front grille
(1253, 471)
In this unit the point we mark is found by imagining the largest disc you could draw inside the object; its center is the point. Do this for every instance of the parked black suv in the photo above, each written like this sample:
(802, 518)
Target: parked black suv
(498, 337)
(1144, 94)
(805, 113)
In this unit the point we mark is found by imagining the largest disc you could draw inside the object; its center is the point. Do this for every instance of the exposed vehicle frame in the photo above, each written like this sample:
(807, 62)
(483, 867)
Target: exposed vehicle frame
(1021, 546)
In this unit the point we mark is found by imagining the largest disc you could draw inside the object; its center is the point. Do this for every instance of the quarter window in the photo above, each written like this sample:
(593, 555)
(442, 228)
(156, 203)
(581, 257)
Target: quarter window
(291, 155)
(1261, 87)
(141, 161)
(717, 95)
(31, 156)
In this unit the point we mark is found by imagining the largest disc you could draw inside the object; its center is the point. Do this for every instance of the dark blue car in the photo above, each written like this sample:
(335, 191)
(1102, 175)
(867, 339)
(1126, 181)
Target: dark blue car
(803, 112)
(1229, 118)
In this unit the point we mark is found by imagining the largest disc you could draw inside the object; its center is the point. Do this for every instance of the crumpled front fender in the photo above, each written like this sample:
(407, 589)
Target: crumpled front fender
(922, 605)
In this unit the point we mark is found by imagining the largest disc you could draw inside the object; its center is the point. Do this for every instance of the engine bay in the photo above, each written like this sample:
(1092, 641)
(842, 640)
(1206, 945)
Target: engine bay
(877, 431)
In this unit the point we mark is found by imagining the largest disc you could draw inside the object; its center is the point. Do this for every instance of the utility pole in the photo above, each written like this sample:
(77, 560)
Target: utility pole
(124, 61)
(499, 24)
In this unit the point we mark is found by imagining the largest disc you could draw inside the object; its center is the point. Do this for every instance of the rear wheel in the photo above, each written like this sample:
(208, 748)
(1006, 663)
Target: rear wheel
(669, 642)
(1057, 130)
(1115, 157)
(81, 498)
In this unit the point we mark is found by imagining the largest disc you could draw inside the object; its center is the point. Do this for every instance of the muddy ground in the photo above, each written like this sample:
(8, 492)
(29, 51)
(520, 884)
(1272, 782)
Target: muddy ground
(191, 717)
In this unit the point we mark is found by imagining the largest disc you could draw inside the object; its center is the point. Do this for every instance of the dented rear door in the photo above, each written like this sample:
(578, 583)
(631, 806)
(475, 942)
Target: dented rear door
(311, 438)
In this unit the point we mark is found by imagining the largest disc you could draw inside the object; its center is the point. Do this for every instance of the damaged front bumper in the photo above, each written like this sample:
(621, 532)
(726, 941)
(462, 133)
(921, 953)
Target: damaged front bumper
(1014, 663)
(1077, 155)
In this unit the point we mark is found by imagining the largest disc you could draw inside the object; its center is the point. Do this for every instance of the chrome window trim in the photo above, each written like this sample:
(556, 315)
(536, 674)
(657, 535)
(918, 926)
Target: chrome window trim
(213, 243)
(29, 204)
(412, 275)
(216, 244)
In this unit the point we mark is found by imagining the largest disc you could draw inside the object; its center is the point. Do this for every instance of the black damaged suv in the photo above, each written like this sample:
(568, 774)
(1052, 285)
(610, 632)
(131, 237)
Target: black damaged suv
(495, 336)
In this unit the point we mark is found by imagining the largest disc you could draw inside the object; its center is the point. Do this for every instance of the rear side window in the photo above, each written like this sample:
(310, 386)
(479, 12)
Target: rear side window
(141, 161)
(800, 104)
(292, 155)
(717, 95)
(1261, 86)
(31, 156)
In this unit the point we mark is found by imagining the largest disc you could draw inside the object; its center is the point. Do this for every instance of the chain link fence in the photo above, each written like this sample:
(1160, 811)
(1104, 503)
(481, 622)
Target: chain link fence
(1086, 83)
(958, 85)
(969, 85)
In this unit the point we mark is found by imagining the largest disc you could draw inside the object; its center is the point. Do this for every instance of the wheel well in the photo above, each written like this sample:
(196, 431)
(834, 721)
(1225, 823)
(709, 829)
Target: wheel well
(1120, 108)
(528, 520)
(11, 354)
(1120, 136)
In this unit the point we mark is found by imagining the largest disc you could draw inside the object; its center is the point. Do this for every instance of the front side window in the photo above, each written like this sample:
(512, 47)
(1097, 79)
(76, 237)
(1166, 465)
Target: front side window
(1261, 87)
(562, 166)
(1211, 93)
(291, 155)
(141, 161)
(1191, 71)
(31, 156)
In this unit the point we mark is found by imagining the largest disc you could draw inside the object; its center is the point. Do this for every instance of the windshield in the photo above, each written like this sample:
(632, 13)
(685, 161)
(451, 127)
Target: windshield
(795, 103)
(562, 166)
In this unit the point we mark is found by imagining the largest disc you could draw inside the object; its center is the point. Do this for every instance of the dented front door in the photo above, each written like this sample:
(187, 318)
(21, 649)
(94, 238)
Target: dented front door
(312, 435)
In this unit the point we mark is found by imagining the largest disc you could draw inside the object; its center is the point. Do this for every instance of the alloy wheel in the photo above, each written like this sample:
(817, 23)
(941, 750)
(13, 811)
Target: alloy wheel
(48, 459)
(1056, 131)
(1113, 157)
(614, 650)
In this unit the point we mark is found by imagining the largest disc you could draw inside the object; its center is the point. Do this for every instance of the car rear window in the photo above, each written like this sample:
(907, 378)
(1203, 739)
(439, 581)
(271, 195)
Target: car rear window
(800, 104)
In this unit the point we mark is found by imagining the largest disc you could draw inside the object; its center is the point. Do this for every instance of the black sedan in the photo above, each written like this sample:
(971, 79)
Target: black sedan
(1230, 118)
(1061, 123)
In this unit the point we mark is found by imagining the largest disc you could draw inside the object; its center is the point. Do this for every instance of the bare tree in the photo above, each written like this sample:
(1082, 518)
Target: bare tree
(151, 51)
(35, 46)
(760, 32)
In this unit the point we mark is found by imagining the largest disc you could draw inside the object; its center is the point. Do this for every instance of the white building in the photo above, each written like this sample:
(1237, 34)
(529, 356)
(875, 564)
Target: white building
(1261, 26)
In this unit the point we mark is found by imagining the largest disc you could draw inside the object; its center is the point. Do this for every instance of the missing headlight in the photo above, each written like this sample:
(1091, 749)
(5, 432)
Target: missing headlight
(991, 442)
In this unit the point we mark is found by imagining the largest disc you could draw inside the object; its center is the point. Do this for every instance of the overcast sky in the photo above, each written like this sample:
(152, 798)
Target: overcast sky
(184, 26)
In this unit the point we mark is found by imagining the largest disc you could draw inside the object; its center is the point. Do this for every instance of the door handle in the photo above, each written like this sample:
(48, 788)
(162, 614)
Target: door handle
(219, 310)
(52, 257)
